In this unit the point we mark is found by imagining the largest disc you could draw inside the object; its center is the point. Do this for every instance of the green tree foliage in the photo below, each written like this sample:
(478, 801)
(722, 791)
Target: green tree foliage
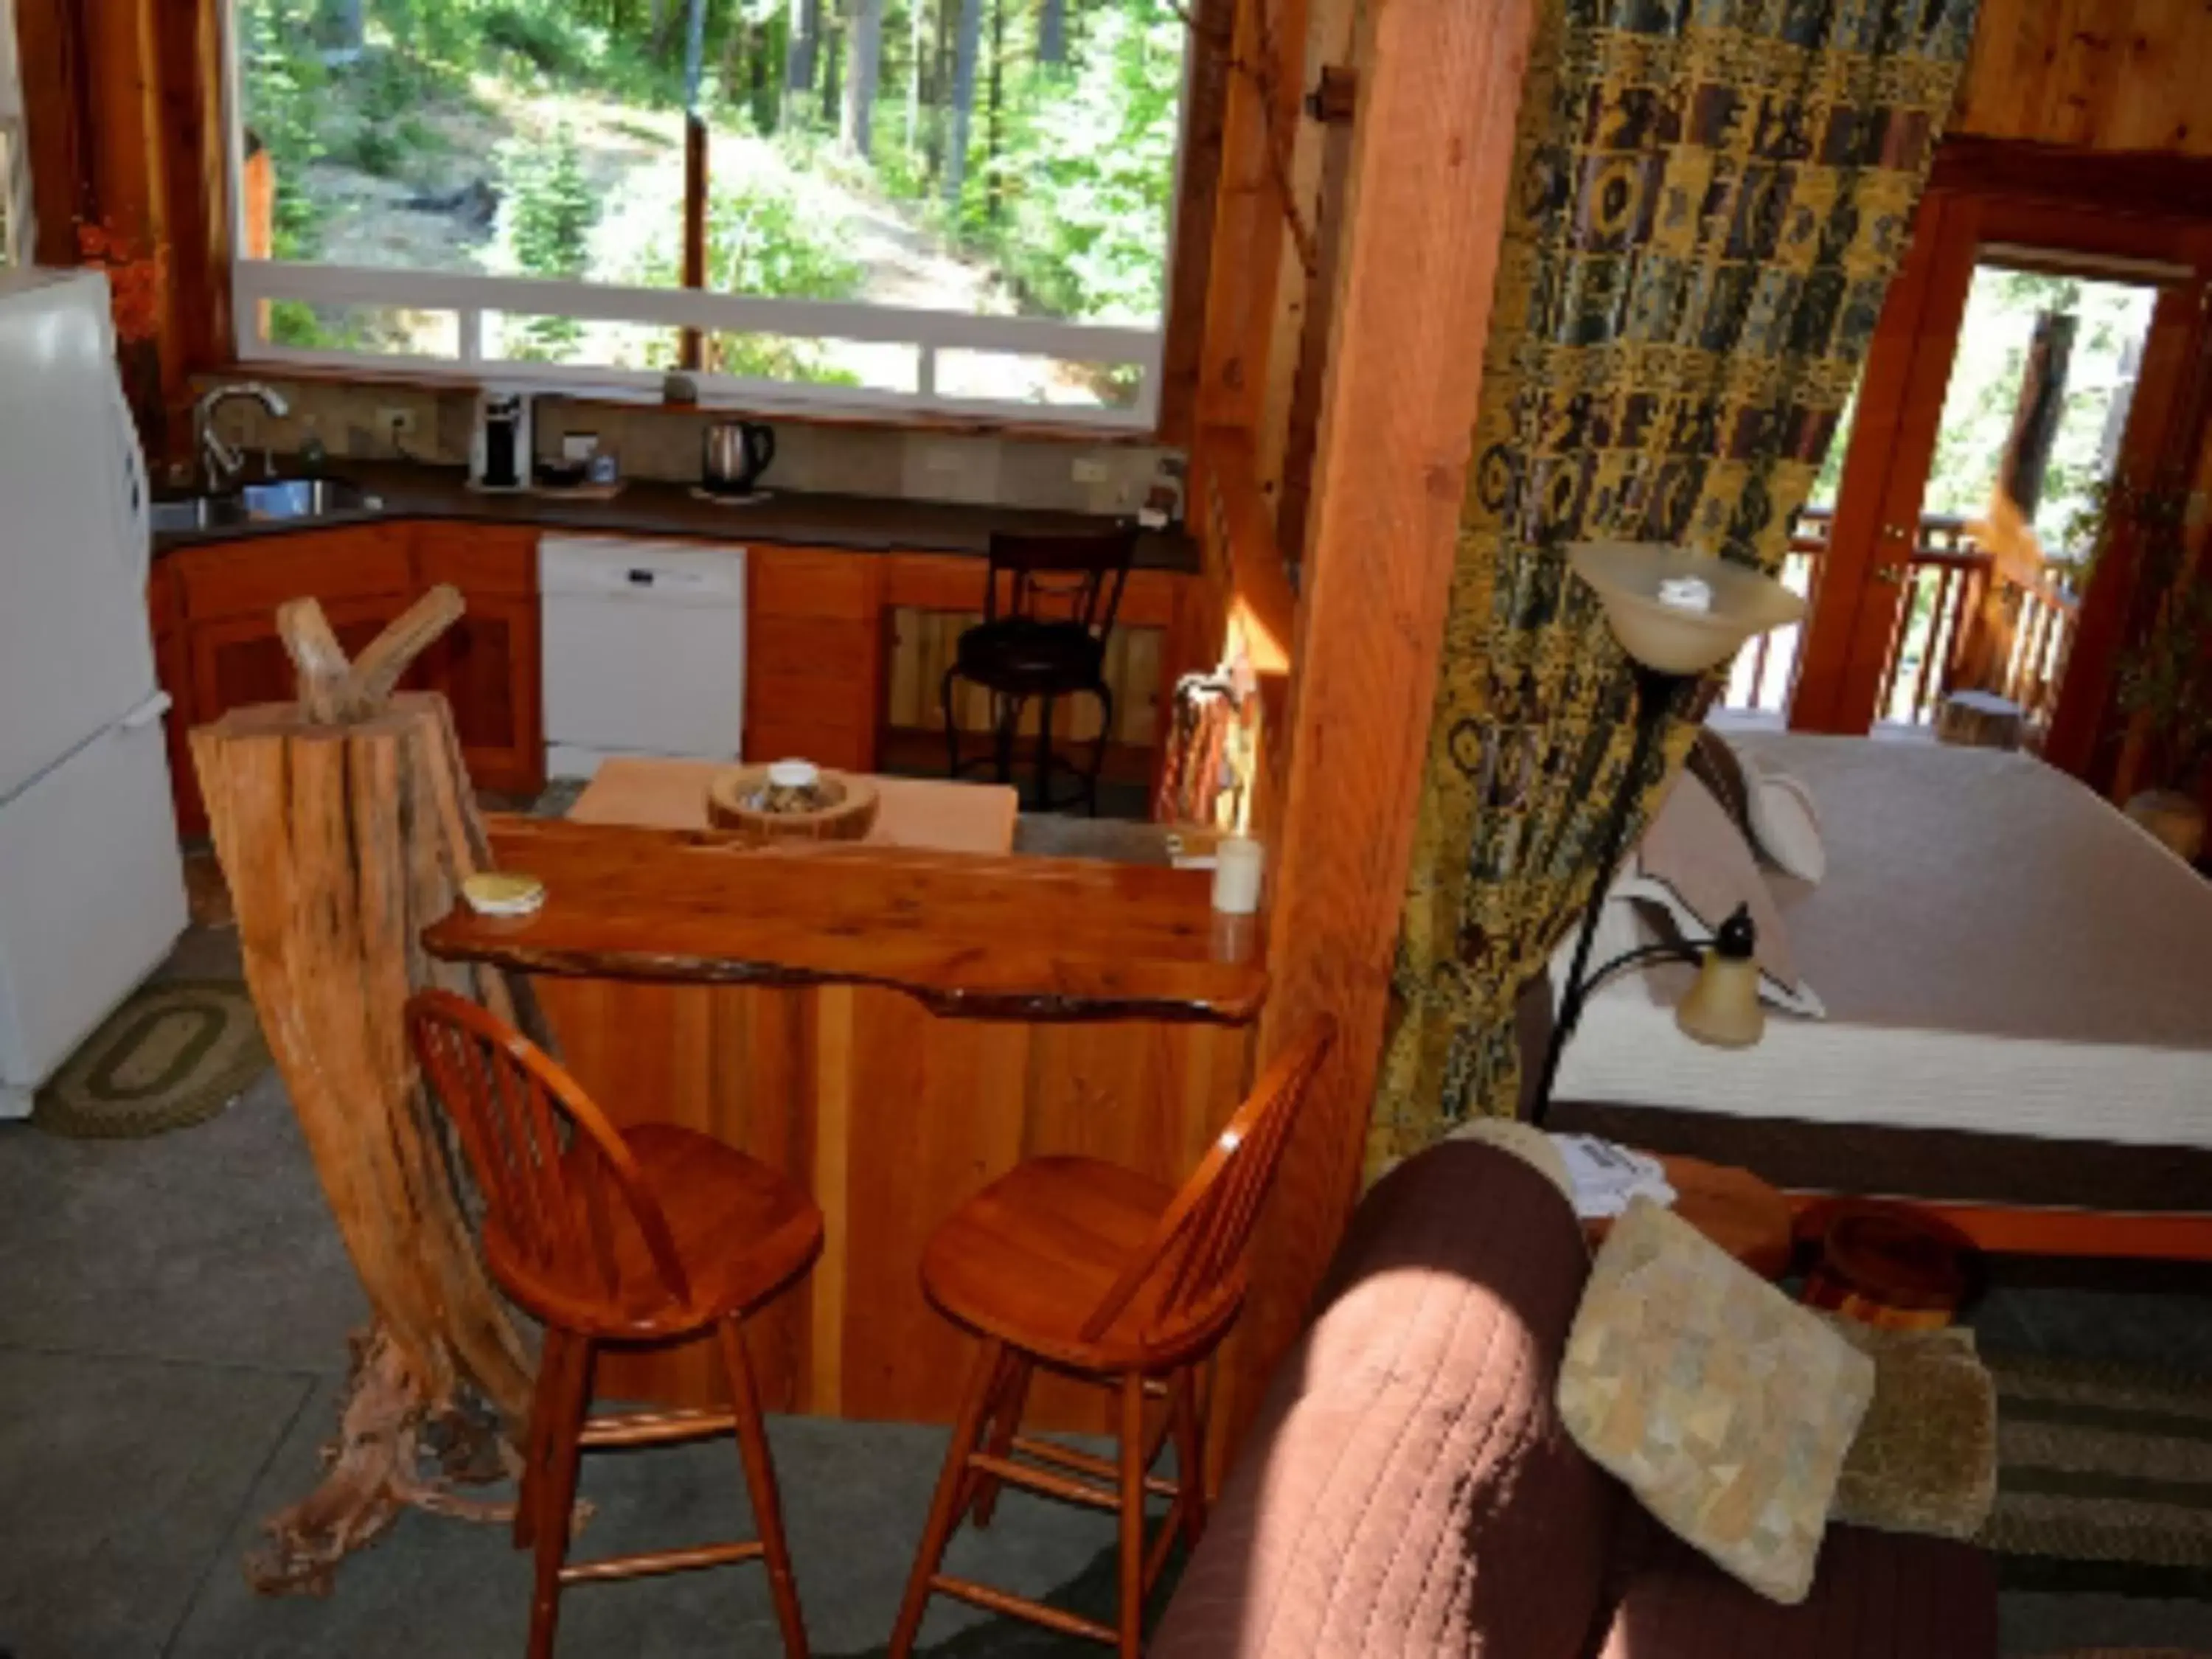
(1092, 185)
(1025, 147)
(549, 212)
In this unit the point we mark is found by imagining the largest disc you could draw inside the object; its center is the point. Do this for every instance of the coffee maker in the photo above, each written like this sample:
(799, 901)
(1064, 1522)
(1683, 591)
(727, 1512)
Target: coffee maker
(500, 452)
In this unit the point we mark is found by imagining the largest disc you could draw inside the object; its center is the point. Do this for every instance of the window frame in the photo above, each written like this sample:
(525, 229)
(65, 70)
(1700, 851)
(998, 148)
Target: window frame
(470, 295)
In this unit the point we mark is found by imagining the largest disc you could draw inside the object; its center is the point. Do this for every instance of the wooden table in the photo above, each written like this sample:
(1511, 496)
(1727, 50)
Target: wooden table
(890, 1027)
(671, 794)
(1742, 1214)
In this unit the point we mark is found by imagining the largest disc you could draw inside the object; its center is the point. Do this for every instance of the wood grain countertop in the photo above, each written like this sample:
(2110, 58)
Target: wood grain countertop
(967, 935)
(646, 507)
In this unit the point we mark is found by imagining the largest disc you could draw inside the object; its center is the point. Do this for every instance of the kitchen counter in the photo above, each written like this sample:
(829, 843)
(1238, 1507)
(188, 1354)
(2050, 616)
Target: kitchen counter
(964, 935)
(891, 1028)
(858, 524)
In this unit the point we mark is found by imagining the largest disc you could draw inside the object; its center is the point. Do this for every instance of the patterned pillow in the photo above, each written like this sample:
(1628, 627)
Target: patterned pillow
(1725, 1406)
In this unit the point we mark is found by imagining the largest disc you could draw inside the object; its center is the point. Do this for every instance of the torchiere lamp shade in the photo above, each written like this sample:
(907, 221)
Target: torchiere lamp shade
(1675, 639)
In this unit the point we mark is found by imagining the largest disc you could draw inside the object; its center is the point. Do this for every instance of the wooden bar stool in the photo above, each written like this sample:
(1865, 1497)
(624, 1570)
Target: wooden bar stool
(702, 1234)
(1110, 1277)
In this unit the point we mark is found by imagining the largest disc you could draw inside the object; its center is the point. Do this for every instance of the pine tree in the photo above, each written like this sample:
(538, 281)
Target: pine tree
(550, 214)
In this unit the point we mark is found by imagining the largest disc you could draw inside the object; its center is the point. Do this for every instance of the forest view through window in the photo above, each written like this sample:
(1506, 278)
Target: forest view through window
(920, 203)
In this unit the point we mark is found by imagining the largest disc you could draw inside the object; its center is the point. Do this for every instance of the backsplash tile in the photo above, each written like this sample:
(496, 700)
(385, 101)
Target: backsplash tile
(653, 442)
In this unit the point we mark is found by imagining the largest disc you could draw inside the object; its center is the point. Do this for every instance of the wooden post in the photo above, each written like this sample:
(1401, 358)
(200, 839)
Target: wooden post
(1430, 176)
(345, 825)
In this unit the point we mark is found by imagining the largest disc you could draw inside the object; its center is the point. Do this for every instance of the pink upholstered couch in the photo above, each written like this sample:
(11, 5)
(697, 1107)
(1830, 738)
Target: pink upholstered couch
(1408, 1489)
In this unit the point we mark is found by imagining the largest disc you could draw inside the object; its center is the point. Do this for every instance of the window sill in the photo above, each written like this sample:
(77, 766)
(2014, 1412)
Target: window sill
(1043, 429)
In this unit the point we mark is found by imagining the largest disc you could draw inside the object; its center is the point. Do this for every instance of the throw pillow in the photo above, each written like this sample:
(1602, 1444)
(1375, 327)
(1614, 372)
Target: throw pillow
(1693, 865)
(1925, 1458)
(1725, 1406)
(1773, 811)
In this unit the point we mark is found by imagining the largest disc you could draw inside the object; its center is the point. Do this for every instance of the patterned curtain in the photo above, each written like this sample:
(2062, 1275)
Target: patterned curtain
(1713, 196)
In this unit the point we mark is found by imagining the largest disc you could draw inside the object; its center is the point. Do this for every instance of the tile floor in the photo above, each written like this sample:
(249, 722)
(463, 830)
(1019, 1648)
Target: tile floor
(174, 1317)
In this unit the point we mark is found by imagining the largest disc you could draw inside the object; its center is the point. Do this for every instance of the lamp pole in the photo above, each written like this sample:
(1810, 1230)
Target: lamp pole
(1656, 692)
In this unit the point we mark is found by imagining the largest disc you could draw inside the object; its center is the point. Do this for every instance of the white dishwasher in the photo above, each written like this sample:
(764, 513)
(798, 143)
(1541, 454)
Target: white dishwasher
(644, 650)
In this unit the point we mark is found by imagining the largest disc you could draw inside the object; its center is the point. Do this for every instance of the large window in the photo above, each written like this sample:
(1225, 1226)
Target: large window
(948, 204)
(14, 162)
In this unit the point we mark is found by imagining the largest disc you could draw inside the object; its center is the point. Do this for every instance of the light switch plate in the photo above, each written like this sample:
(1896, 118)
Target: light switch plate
(1089, 469)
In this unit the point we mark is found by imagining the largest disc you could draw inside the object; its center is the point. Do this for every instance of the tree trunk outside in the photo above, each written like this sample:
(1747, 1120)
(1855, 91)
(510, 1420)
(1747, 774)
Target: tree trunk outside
(993, 133)
(2035, 420)
(913, 76)
(865, 25)
(833, 75)
(798, 54)
(1051, 31)
(694, 54)
(963, 100)
(341, 25)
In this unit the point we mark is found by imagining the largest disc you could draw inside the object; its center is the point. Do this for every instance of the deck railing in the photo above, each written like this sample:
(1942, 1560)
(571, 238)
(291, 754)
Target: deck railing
(1952, 631)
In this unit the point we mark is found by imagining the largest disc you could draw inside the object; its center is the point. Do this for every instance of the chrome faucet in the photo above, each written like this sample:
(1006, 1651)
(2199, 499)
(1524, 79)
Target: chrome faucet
(220, 465)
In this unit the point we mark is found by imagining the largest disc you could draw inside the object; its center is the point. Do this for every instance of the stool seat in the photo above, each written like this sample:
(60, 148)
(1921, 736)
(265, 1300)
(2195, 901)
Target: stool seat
(1031, 1256)
(740, 1228)
(1026, 657)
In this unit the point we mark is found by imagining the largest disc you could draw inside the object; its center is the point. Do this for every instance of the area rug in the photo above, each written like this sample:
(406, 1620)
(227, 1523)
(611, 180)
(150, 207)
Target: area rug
(2104, 1479)
(176, 1054)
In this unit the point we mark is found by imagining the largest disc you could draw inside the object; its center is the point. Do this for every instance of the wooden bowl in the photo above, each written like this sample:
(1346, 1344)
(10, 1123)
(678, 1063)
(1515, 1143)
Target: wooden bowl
(850, 817)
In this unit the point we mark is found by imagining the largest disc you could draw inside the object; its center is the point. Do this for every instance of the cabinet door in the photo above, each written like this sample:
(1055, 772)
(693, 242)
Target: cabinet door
(173, 666)
(814, 654)
(486, 664)
(240, 660)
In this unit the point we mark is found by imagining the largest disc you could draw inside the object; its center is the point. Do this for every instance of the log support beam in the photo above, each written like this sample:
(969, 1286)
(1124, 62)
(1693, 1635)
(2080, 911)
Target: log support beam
(1429, 178)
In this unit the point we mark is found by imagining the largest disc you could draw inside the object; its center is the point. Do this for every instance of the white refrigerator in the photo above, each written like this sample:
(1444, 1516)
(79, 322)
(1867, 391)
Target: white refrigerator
(91, 883)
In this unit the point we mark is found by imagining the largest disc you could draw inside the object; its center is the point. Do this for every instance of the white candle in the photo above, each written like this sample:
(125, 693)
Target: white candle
(1238, 862)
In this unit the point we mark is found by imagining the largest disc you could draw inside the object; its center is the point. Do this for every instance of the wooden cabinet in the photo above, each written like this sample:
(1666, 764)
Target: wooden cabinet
(487, 664)
(214, 610)
(818, 658)
(172, 667)
(814, 656)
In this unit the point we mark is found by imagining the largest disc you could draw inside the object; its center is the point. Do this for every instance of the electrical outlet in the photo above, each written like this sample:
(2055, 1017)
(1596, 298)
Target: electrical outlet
(396, 423)
(1089, 469)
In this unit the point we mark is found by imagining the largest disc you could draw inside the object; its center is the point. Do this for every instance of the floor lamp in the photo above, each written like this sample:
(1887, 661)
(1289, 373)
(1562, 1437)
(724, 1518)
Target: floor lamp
(1678, 615)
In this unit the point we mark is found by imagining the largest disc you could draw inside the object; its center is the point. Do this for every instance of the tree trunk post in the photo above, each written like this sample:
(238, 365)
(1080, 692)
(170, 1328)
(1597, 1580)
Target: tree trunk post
(345, 825)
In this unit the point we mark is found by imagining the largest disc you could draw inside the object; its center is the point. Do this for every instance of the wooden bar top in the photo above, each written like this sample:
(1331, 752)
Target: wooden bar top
(965, 934)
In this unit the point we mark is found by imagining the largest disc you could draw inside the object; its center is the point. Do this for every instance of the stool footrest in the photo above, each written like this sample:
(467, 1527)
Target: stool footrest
(654, 1428)
(1003, 1602)
(1051, 1451)
(1049, 1482)
(684, 1560)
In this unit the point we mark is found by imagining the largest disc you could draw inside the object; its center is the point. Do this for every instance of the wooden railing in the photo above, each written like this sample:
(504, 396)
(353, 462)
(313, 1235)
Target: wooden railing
(1952, 631)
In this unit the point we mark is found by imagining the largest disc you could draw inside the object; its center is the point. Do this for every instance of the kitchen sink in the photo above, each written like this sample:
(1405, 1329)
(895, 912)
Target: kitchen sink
(279, 500)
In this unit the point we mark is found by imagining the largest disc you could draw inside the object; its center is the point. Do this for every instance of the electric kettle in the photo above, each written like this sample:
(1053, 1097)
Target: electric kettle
(736, 453)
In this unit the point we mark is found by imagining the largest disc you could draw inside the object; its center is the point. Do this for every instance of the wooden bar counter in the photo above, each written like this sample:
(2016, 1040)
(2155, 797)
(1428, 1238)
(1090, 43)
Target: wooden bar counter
(893, 1027)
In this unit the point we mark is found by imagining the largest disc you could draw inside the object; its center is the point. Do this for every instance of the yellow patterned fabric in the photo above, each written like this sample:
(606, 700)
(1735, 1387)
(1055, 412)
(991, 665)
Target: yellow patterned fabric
(1713, 196)
(1723, 1405)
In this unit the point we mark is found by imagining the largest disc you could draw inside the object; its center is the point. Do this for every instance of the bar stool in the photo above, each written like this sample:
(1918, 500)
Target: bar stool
(1110, 1277)
(702, 1234)
(1047, 609)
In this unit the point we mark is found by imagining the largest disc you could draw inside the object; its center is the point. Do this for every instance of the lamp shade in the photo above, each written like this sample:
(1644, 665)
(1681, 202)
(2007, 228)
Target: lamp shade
(1675, 639)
